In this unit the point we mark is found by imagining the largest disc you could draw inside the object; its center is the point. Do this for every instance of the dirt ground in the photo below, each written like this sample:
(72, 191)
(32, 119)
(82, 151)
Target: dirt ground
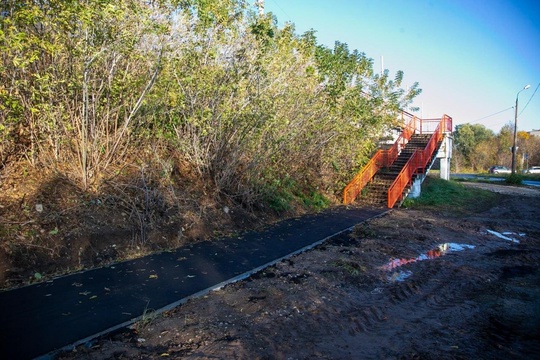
(50, 226)
(409, 285)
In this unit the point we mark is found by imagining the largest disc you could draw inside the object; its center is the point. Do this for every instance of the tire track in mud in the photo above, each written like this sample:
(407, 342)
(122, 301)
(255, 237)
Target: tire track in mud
(511, 323)
(452, 294)
(337, 301)
(365, 320)
(518, 256)
(453, 289)
(437, 291)
(441, 299)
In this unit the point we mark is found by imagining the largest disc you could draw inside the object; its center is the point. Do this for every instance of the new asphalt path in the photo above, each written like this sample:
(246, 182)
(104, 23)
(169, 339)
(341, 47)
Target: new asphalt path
(38, 320)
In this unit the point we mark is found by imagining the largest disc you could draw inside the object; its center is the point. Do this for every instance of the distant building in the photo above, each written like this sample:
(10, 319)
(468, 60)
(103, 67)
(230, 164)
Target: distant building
(534, 132)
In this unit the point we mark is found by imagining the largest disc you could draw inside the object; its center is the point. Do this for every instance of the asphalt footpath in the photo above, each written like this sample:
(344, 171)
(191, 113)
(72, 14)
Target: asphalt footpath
(38, 320)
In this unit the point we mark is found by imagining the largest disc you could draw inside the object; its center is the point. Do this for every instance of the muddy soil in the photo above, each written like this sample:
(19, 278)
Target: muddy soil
(409, 285)
(50, 226)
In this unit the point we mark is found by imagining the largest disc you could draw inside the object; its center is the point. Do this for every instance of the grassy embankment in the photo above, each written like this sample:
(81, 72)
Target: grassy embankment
(451, 197)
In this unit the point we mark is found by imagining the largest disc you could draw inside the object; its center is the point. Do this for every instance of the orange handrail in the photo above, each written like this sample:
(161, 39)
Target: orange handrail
(363, 177)
(382, 158)
(419, 160)
(403, 179)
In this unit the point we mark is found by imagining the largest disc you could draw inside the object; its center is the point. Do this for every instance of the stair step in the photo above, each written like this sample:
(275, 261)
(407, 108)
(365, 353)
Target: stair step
(376, 191)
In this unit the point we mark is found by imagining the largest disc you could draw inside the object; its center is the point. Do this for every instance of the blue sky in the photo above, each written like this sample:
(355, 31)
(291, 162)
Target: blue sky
(470, 57)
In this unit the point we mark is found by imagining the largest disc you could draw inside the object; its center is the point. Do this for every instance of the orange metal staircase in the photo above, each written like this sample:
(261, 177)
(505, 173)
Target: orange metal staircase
(388, 176)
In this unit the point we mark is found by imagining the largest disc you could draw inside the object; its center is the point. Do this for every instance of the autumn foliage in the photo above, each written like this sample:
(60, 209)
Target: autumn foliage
(90, 87)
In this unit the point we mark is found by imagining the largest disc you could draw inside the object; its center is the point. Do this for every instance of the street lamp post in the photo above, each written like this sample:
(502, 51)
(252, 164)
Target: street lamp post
(514, 149)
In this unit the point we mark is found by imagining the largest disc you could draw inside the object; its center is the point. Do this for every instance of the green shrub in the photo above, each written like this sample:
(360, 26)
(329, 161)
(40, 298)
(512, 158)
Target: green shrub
(315, 200)
(514, 179)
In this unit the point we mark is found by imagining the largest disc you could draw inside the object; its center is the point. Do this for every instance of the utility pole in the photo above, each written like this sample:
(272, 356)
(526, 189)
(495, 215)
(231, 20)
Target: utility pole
(260, 6)
(514, 147)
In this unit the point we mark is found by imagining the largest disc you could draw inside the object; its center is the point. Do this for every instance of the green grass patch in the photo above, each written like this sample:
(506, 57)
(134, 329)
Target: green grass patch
(282, 195)
(315, 200)
(279, 201)
(534, 177)
(485, 180)
(452, 197)
(514, 179)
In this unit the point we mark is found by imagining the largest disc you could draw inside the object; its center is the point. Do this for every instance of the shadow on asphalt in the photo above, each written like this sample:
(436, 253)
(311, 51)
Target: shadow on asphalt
(41, 319)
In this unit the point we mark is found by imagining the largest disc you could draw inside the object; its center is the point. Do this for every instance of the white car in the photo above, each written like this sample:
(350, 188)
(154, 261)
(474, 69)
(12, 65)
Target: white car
(499, 170)
(533, 170)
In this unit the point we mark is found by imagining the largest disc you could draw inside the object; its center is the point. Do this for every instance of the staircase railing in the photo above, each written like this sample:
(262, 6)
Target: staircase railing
(382, 158)
(418, 161)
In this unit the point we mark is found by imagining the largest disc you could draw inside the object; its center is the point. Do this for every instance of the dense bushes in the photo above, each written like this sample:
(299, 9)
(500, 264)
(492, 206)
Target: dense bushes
(87, 87)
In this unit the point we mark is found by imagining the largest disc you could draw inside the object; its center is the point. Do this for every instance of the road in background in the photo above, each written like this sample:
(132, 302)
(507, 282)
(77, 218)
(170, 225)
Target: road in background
(490, 178)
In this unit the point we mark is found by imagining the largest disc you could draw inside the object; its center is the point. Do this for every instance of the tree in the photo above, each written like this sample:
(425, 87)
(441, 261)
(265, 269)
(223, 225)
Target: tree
(90, 86)
(467, 139)
(529, 149)
(75, 75)
(503, 144)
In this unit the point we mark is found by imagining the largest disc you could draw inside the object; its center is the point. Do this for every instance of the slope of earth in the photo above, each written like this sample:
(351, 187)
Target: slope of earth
(409, 285)
(50, 226)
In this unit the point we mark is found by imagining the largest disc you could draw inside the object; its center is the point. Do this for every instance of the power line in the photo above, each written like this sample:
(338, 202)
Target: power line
(498, 112)
(284, 12)
(512, 107)
(529, 99)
